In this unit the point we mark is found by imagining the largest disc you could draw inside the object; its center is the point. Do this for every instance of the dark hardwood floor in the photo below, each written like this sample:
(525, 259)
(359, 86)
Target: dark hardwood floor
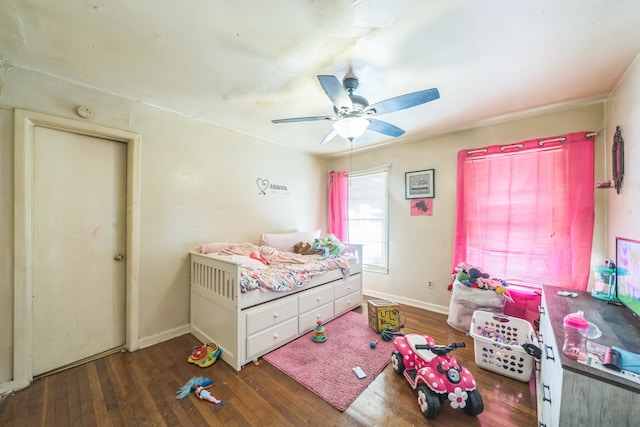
(138, 389)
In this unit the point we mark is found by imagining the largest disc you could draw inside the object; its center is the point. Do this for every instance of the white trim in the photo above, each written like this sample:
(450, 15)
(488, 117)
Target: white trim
(369, 171)
(407, 301)
(24, 126)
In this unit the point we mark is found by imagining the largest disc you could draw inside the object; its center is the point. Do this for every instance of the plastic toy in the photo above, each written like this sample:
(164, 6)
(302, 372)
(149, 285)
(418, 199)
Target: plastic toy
(318, 333)
(199, 385)
(436, 376)
(205, 395)
(205, 355)
(191, 385)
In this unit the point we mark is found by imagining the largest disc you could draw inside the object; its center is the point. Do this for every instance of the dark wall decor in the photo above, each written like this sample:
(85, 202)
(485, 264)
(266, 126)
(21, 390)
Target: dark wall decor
(617, 156)
(420, 184)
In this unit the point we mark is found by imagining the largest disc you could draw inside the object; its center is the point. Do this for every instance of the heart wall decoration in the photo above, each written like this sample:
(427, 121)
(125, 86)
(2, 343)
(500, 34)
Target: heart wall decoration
(262, 184)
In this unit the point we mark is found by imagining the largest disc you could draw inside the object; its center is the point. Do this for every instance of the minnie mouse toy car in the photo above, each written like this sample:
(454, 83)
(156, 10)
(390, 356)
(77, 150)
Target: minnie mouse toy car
(435, 375)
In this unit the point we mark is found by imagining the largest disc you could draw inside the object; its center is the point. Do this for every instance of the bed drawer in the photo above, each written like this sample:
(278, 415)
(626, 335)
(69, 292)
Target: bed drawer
(346, 287)
(344, 304)
(308, 320)
(271, 314)
(272, 338)
(313, 298)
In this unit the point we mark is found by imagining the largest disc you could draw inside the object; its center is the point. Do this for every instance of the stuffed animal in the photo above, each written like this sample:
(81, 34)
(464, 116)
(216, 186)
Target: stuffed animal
(329, 246)
(303, 248)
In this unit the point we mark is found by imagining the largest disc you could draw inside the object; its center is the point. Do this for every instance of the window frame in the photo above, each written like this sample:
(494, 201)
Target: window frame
(384, 170)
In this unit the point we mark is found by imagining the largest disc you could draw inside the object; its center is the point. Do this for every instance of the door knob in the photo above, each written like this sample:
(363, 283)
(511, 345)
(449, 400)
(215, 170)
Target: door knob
(118, 257)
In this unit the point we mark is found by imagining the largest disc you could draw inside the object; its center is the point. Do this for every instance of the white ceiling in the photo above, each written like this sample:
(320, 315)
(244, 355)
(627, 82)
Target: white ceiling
(240, 63)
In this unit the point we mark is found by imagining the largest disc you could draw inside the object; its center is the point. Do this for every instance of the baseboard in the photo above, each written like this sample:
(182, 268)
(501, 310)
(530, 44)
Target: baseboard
(408, 301)
(164, 336)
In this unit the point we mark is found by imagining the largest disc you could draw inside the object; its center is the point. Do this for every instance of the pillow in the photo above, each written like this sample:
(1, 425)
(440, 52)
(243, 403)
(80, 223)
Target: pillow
(248, 261)
(213, 247)
(284, 241)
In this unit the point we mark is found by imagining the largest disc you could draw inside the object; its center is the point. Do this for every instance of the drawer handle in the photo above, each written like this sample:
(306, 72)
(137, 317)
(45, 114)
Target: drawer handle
(541, 424)
(275, 314)
(275, 336)
(318, 299)
(545, 388)
(541, 310)
(548, 349)
(540, 339)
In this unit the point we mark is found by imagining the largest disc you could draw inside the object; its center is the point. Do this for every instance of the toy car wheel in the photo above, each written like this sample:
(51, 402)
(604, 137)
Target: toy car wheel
(428, 401)
(475, 405)
(398, 364)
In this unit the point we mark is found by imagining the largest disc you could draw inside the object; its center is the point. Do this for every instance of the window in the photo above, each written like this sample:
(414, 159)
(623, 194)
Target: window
(368, 217)
(525, 211)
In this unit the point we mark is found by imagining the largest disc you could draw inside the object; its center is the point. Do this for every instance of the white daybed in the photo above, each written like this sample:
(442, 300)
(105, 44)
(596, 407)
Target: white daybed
(247, 325)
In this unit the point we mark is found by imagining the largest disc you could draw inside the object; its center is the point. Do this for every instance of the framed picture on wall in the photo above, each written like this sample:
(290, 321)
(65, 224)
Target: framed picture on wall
(420, 184)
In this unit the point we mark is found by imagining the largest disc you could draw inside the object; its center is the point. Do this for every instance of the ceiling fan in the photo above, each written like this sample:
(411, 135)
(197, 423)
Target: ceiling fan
(354, 115)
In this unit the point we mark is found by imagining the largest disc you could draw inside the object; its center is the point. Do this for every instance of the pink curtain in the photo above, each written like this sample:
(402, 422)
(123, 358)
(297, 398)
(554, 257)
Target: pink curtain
(525, 211)
(339, 205)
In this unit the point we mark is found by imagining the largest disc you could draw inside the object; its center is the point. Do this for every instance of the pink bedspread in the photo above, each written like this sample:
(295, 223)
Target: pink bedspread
(287, 277)
(268, 254)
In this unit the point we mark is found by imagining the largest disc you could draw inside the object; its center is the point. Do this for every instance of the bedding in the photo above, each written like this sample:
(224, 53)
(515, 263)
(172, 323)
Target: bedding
(268, 269)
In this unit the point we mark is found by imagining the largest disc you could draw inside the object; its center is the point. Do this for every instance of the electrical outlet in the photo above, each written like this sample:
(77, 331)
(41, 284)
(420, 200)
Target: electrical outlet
(430, 284)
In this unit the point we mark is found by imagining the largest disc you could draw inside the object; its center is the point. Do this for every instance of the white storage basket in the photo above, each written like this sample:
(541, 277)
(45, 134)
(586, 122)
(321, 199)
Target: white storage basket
(498, 343)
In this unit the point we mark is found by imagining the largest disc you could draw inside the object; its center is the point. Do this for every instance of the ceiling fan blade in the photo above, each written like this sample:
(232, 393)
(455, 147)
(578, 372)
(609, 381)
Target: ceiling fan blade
(403, 102)
(384, 128)
(335, 91)
(329, 137)
(304, 119)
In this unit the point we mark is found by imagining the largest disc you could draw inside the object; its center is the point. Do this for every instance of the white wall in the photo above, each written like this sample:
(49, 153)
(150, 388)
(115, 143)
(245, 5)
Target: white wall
(421, 247)
(623, 210)
(198, 184)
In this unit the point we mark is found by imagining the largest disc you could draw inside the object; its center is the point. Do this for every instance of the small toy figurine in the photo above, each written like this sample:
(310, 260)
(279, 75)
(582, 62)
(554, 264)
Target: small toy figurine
(198, 384)
(205, 395)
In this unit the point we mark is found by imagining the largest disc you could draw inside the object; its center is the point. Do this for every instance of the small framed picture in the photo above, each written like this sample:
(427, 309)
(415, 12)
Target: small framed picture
(420, 184)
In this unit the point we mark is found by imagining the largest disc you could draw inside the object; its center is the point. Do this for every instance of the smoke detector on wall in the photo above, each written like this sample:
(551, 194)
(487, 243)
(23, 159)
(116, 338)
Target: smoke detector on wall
(85, 112)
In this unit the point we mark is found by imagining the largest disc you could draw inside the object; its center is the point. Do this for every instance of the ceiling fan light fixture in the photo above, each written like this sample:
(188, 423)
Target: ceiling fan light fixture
(351, 127)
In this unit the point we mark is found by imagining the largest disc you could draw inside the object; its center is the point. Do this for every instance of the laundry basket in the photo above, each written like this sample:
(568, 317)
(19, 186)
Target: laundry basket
(498, 343)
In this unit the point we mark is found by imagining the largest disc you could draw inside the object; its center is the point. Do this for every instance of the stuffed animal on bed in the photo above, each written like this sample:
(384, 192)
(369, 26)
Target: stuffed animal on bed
(329, 246)
(303, 248)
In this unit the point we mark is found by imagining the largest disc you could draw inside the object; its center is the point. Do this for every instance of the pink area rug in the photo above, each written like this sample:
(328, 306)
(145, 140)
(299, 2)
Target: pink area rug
(326, 368)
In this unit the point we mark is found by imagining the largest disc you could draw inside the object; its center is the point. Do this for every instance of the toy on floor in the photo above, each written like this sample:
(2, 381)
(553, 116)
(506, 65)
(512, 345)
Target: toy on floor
(387, 334)
(318, 333)
(205, 354)
(199, 385)
(191, 385)
(205, 395)
(373, 344)
(436, 376)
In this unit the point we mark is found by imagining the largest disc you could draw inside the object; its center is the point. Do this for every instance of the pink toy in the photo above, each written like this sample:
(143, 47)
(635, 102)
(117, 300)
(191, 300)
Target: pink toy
(436, 376)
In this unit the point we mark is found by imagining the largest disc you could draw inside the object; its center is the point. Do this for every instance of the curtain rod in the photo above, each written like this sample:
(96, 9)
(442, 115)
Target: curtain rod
(520, 145)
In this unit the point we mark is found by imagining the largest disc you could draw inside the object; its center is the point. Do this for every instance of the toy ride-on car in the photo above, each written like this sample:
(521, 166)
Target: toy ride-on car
(435, 375)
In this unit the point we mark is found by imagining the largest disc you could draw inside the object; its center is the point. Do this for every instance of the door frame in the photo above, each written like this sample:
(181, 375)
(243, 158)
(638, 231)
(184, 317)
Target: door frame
(24, 138)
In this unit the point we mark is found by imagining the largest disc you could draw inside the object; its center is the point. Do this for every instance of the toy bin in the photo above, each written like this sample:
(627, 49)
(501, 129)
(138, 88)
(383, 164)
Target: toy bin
(498, 341)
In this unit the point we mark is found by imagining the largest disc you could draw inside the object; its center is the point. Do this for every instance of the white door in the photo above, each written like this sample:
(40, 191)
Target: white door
(78, 244)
